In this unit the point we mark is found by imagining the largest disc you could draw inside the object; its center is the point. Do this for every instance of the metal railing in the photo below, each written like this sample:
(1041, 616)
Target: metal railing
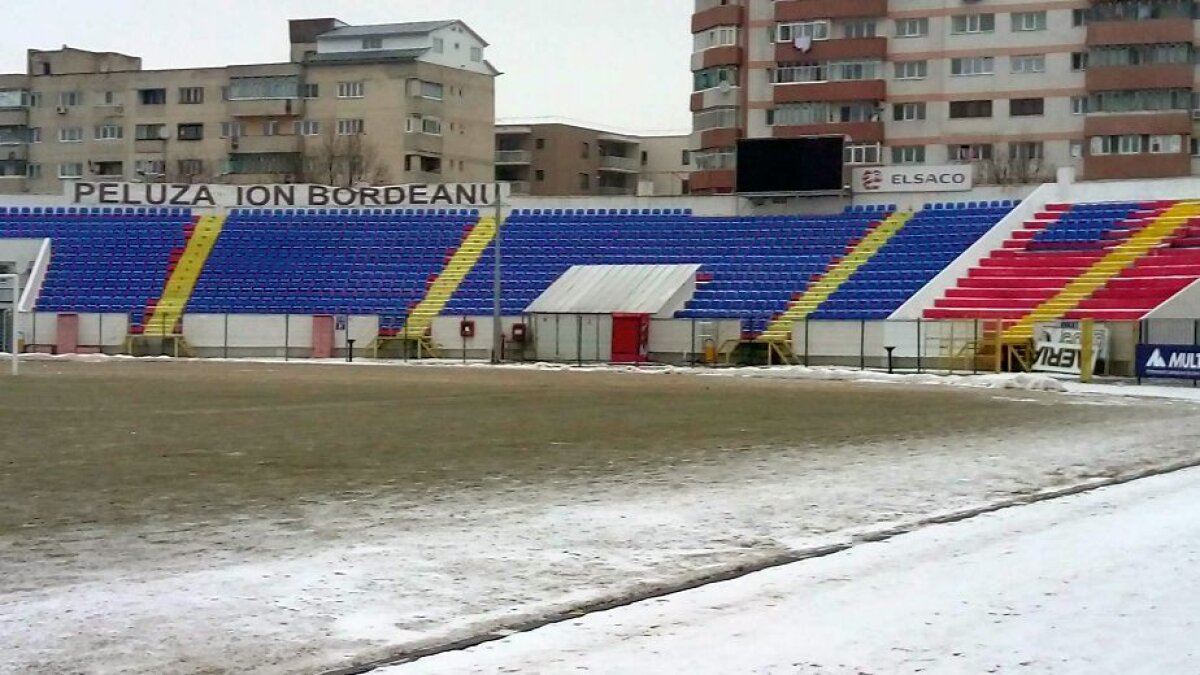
(513, 157)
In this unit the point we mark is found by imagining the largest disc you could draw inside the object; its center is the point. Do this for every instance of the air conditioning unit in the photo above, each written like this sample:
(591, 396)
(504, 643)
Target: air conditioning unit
(62, 110)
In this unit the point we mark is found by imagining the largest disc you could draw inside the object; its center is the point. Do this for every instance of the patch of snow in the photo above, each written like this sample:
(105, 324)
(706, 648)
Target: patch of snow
(1086, 584)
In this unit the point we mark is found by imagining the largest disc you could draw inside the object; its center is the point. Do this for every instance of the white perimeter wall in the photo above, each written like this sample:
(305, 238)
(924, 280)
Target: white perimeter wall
(270, 331)
(95, 330)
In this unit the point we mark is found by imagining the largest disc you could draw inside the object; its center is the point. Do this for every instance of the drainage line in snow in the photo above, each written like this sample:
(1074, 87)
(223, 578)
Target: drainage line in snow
(744, 569)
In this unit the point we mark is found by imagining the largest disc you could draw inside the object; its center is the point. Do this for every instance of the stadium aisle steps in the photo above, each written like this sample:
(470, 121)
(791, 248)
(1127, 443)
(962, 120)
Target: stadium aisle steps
(457, 268)
(167, 312)
(819, 290)
(1118, 258)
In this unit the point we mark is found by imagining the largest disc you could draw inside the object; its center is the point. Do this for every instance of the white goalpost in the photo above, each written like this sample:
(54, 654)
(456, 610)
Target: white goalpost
(15, 280)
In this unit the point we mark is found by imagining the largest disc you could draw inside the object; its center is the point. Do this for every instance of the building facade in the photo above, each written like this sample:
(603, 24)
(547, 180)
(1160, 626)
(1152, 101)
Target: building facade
(410, 102)
(558, 160)
(1019, 88)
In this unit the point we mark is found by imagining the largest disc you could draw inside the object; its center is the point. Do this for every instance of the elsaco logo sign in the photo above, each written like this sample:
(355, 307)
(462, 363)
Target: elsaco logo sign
(952, 178)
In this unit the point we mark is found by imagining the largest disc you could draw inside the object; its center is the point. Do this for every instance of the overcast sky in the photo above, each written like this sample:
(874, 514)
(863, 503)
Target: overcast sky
(618, 63)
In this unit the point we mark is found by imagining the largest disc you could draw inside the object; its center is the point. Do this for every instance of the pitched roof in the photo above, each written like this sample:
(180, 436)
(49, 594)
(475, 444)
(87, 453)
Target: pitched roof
(385, 29)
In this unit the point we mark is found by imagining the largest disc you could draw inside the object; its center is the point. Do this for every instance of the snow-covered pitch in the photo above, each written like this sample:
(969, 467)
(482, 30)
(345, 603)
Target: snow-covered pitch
(168, 517)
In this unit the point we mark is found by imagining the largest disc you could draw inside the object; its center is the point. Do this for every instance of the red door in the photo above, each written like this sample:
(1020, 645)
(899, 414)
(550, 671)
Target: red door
(630, 338)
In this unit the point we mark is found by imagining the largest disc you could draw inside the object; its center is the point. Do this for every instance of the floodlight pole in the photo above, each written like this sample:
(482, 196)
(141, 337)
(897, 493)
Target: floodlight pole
(497, 329)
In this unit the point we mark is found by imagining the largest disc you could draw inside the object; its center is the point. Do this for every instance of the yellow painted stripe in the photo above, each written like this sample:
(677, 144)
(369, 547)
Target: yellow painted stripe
(448, 281)
(820, 290)
(1102, 271)
(178, 289)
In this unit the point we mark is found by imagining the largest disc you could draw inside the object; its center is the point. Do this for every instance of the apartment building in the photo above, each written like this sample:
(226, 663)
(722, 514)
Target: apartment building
(556, 160)
(1019, 88)
(405, 102)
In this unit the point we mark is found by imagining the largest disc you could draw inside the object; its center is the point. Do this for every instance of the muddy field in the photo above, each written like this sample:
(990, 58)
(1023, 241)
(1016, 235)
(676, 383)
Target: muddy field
(190, 517)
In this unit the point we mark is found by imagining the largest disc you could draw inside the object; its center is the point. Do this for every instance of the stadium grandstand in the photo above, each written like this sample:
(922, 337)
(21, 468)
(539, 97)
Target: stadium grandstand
(111, 278)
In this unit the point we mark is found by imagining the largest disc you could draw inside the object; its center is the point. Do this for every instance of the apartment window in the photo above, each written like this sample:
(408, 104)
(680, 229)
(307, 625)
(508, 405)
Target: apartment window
(908, 112)
(70, 135)
(430, 90)
(33, 171)
(1139, 100)
(863, 153)
(540, 144)
(972, 65)
(420, 124)
(1075, 149)
(35, 99)
(722, 158)
(961, 24)
(1029, 63)
(1026, 107)
(70, 98)
(819, 112)
(150, 132)
(308, 128)
(350, 127)
(109, 169)
(35, 134)
(351, 89)
(476, 54)
(585, 151)
(911, 28)
(859, 29)
(110, 98)
(439, 45)
(191, 167)
(191, 95)
(908, 154)
(809, 30)
(255, 88)
(585, 182)
(1078, 17)
(271, 128)
(1137, 55)
(1168, 144)
(110, 132)
(539, 175)
(973, 152)
(190, 132)
(70, 170)
(831, 71)
(912, 70)
(720, 36)
(714, 77)
(1079, 105)
(716, 118)
(311, 90)
(372, 43)
(152, 96)
(1079, 61)
(970, 109)
(1028, 21)
(149, 167)
(1027, 151)
(1140, 10)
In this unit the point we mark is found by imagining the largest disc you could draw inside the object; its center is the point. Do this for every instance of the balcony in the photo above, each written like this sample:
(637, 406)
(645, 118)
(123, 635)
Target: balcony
(803, 10)
(519, 187)
(859, 132)
(620, 164)
(714, 181)
(266, 107)
(513, 157)
(833, 50)
(1101, 167)
(14, 117)
(1173, 29)
(1154, 123)
(721, 15)
(717, 56)
(1161, 76)
(846, 90)
(289, 143)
